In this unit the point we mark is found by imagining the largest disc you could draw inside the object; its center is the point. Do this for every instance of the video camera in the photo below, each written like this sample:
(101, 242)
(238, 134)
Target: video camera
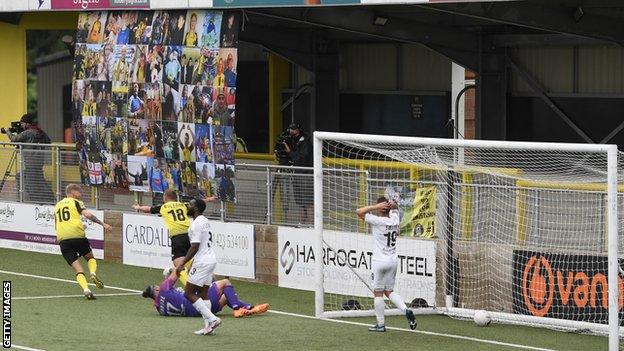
(16, 128)
(283, 158)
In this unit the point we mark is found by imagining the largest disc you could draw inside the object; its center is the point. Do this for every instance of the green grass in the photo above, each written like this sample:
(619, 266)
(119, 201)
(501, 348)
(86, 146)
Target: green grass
(131, 322)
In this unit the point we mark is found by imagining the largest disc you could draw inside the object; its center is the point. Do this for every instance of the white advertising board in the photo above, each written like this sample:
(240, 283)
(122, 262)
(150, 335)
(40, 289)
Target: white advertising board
(31, 228)
(349, 252)
(146, 243)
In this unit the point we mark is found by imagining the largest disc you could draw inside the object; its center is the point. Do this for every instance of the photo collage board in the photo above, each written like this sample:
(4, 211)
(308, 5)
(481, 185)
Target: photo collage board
(154, 100)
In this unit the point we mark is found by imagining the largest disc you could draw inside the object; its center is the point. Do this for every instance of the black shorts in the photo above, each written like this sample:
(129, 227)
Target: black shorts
(180, 244)
(74, 248)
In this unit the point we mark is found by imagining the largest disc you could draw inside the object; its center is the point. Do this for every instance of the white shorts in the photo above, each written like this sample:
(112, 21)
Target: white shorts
(200, 273)
(384, 274)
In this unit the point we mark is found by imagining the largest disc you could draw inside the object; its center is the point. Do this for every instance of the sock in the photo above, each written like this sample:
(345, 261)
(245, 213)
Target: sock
(379, 310)
(183, 277)
(232, 298)
(82, 281)
(92, 263)
(397, 300)
(203, 306)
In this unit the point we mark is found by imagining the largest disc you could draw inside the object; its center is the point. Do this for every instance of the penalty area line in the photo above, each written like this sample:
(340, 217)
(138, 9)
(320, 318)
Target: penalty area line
(65, 280)
(13, 346)
(451, 336)
(64, 296)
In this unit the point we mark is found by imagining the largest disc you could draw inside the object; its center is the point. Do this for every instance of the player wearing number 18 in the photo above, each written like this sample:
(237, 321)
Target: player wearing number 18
(70, 234)
(384, 220)
(174, 213)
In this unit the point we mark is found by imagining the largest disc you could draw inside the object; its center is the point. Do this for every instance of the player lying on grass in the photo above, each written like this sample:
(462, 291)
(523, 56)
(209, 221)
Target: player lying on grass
(170, 301)
(384, 220)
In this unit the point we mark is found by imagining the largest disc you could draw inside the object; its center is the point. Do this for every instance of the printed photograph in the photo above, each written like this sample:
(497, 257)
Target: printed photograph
(113, 27)
(189, 179)
(155, 64)
(120, 172)
(203, 149)
(141, 28)
(137, 173)
(160, 27)
(224, 145)
(120, 67)
(224, 183)
(229, 30)
(120, 100)
(139, 138)
(119, 136)
(221, 115)
(205, 179)
(140, 70)
(171, 74)
(186, 141)
(108, 180)
(105, 107)
(170, 140)
(155, 175)
(166, 176)
(192, 31)
(177, 24)
(203, 103)
(211, 29)
(205, 70)
(91, 27)
(174, 170)
(230, 60)
(171, 103)
(189, 61)
(187, 104)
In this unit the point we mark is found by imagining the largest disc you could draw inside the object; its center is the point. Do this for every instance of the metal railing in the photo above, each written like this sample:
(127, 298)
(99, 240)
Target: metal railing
(265, 194)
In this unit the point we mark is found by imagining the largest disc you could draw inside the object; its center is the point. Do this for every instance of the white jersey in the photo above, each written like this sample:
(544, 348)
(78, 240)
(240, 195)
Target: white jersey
(199, 232)
(385, 231)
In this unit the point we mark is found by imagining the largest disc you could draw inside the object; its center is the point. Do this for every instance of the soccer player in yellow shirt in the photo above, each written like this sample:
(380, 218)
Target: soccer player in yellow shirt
(174, 213)
(70, 234)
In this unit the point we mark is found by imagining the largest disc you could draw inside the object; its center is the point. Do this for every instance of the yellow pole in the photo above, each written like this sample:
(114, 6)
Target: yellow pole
(466, 206)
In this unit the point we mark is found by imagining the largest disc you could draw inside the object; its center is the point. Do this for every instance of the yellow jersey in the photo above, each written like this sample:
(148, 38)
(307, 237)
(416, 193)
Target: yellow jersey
(175, 217)
(67, 220)
(186, 154)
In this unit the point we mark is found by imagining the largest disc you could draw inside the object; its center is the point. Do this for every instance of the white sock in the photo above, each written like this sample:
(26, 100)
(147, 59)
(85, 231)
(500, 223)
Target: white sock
(397, 300)
(379, 310)
(203, 306)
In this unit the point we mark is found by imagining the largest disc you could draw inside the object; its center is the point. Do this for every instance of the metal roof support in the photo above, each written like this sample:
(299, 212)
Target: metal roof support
(541, 92)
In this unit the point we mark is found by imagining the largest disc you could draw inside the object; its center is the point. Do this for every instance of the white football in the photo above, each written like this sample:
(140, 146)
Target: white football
(482, 318)
(167, 271)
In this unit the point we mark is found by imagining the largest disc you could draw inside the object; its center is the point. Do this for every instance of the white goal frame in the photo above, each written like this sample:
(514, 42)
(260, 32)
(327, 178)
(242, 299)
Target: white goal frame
(613, 267)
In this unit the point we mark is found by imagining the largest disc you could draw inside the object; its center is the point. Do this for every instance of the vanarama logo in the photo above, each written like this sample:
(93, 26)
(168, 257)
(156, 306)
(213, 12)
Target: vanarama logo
(562, 286)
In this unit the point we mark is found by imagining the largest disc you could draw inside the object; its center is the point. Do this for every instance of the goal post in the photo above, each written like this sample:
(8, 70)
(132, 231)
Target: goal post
(527, 231)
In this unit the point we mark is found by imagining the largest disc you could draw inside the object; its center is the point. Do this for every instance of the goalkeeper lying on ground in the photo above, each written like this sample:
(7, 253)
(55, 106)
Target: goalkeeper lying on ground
(171, 302)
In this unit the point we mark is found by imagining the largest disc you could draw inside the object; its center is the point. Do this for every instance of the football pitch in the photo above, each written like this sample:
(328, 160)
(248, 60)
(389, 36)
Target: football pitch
(49, 313)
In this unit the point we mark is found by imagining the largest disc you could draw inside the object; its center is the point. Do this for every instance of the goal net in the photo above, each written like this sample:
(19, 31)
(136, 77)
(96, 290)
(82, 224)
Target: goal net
(521, 230)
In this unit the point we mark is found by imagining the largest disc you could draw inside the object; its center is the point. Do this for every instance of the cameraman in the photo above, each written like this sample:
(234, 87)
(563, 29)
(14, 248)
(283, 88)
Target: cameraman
(33, 158)
(300, 153)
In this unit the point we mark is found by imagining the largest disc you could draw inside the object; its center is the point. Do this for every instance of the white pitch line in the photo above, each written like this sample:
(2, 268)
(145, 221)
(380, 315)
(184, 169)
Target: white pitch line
(451, 336)
(25, 348)
(64, 296)
(65, 280)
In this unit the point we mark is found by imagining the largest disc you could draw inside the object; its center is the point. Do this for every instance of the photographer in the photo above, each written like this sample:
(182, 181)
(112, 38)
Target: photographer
(300, 154)
(33, 158)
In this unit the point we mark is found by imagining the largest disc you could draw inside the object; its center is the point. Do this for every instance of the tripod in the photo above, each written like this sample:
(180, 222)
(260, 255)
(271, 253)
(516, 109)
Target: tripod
(7, 172)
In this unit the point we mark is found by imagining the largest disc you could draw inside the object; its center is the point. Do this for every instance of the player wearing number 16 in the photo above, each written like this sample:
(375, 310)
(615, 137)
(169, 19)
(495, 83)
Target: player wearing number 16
(70, 234)
(384, 220)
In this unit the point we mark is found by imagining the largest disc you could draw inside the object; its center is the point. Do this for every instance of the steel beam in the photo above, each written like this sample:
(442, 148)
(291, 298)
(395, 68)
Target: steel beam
(541, 92)
(538, 16)
(459, 46)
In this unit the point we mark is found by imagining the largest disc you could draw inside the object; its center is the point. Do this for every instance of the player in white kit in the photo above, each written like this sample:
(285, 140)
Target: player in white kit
(384, 220)
(204, 263)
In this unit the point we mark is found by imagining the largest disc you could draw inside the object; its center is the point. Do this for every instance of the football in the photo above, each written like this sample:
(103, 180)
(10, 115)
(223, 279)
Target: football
(482, 318)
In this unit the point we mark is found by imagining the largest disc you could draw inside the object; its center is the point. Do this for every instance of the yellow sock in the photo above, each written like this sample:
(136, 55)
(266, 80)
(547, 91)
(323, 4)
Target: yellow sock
(82, 281)
(183, 277)
(92, 263)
